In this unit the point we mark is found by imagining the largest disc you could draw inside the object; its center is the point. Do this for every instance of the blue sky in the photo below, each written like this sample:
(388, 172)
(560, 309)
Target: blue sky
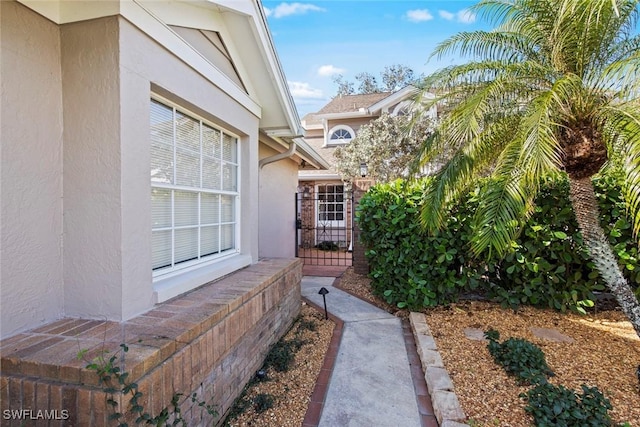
(318, 39)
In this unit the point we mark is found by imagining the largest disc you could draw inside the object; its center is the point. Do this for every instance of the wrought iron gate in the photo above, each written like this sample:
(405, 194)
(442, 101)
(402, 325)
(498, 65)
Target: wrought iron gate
(324, 225)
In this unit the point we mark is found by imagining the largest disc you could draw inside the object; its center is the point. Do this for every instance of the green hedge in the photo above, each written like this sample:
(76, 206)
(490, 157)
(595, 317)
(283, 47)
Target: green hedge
(546, 266)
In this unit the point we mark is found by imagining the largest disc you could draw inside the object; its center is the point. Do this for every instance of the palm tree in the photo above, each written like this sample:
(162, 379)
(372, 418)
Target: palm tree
(551, 89)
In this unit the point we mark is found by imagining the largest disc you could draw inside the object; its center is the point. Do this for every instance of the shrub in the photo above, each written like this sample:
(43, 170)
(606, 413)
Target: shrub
(410, 268)
(519, 358)
(557, 406)
(547, 264)
(263, 401)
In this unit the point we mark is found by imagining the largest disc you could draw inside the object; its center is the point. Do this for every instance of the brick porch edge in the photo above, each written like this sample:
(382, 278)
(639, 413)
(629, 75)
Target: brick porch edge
(209, 341)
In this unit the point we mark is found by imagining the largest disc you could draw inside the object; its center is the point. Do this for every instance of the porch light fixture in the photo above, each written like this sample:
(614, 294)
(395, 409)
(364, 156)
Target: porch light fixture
(363, 169)
(306, 192)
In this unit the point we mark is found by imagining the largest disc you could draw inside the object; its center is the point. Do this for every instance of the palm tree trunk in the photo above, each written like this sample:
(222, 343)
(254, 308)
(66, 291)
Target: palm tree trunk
(586, 208)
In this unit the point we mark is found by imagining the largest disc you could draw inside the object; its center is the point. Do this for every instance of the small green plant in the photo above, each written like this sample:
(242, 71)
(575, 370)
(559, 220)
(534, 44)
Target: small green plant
(263, 401)
(557, 406)
(282, 354)
(327, 245)
(519, 357)
(115, 381)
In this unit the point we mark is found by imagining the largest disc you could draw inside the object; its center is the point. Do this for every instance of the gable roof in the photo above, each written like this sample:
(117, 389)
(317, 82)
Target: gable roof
(354, 106)
(352, 103)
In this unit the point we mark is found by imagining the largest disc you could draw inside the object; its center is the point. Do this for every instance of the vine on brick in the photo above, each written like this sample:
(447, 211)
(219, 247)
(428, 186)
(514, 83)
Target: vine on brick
(115, 381)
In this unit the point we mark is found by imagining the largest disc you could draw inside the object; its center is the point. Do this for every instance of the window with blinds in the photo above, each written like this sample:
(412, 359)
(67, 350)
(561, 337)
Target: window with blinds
(194, 188)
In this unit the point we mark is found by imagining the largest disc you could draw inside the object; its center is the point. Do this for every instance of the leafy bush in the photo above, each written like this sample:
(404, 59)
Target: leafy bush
(519, 358)
(282, 354)
(547, 264)
(550, 405)
(410, 268)
(557, 406)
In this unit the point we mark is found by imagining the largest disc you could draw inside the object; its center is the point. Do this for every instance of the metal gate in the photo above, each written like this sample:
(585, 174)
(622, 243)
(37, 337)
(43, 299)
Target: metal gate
(324, 225)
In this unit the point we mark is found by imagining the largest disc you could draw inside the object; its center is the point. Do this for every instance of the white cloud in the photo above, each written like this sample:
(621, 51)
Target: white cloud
(288, 9)
(446, 15)
(466, 17)
(329, 70)
(419, 15)
(304, 91)
(463, 16)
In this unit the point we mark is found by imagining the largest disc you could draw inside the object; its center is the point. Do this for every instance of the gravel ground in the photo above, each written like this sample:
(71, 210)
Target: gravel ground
(605, 352)
(291, 389)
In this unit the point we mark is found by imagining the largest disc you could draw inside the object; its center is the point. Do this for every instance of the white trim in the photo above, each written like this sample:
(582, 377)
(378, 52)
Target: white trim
(319, 176)
(160, 274)
(385, 104)
(347, 115)
(332, 143)
(171, 286)
(153, 26)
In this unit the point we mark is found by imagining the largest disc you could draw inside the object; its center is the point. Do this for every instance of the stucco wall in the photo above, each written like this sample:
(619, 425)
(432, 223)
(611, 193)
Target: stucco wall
(278, 184)
(107, 136)
(75, 148)
(30, 171)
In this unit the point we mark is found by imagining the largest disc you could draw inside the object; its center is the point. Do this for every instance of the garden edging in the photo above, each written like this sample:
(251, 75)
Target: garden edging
(446, 406)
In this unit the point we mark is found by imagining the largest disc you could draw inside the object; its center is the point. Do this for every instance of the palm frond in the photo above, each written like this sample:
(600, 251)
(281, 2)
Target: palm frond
(504, 202)
(623, 123)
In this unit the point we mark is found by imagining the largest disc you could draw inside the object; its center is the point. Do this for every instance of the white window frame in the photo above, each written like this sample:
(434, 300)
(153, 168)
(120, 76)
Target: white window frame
(337, 128)
(207, 260)
(330, 223)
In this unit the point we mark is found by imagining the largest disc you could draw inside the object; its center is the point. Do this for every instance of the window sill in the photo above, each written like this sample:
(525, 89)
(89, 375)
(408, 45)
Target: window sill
(165, 288)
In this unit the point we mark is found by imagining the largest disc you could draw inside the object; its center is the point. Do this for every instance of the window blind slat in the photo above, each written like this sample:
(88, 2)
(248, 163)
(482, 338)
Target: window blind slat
(186, 208)
(160, 208)
(229, 149)
(160, 249)
(228, 208)
(210, 209)
(211, 174)
(186, 244)
(211, 140)
(210, 240)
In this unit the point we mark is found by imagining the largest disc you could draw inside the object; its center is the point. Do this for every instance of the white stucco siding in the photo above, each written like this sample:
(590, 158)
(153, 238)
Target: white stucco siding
(146, 68)
(92, 169)
(30, 171)
(111, 131)
(278, 184)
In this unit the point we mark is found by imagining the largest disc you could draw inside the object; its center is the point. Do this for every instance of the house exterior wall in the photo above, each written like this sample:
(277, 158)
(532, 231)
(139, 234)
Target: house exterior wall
(31, 275)
(278, 183)
(136, 68)
(76, 209)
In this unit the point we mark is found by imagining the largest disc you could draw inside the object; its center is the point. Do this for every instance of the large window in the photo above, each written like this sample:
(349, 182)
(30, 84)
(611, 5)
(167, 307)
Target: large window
(194, 190)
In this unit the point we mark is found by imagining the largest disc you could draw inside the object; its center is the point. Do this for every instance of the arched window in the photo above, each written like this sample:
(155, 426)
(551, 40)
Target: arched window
(340, 135)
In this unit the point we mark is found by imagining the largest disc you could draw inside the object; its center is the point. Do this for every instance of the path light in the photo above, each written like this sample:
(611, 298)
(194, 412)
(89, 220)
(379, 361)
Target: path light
(323, 291)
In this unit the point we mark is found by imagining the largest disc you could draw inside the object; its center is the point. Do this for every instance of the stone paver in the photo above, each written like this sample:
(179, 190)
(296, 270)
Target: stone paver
(551, 334)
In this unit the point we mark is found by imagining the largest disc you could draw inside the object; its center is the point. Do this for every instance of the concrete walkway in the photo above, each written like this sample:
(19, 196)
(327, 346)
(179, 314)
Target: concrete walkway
(371, 383)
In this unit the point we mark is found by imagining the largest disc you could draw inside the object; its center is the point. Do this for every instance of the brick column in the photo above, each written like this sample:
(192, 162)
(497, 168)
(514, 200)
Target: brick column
(360, 264)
